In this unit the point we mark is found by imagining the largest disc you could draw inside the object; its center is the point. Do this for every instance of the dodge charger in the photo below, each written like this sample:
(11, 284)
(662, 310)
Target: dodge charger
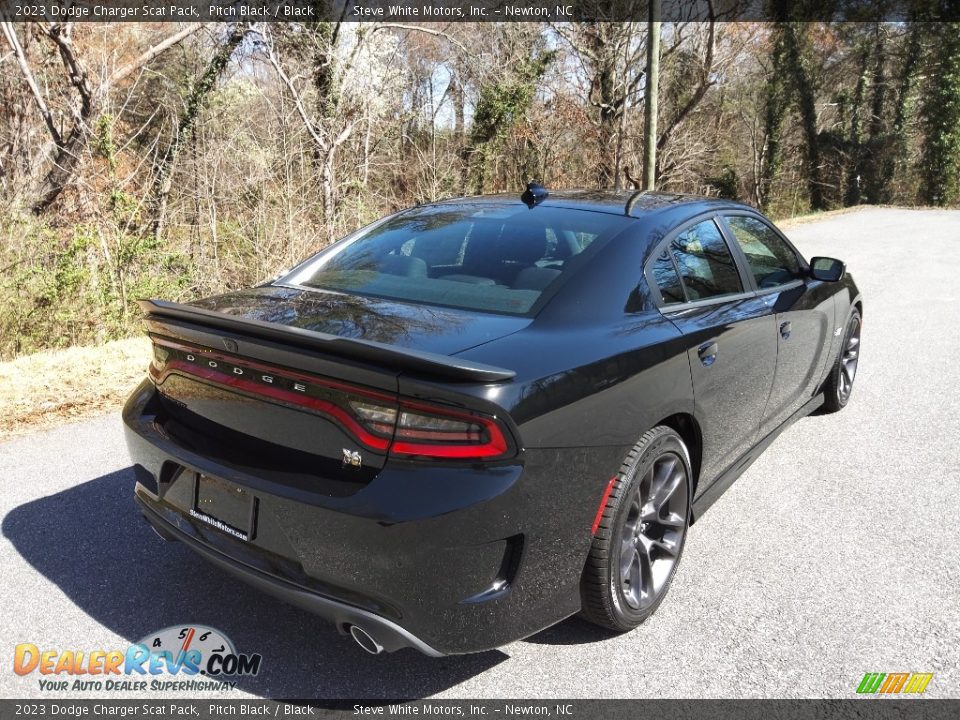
(477, 417)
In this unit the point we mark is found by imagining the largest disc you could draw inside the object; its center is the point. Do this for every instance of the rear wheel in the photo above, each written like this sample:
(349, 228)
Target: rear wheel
(840, 383)
(640, 537)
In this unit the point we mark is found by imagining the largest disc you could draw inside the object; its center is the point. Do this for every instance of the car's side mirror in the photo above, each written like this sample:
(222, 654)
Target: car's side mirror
(827, 269)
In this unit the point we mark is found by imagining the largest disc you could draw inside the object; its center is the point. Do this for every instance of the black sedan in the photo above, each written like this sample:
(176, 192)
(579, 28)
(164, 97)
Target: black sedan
(475, 418)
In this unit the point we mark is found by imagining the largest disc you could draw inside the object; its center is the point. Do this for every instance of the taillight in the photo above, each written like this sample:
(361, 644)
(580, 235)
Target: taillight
(378, 418)
(431, 431)
(372, 418)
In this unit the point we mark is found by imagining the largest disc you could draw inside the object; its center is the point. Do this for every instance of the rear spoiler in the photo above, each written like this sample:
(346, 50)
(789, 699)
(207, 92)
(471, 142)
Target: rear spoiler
(432, 364)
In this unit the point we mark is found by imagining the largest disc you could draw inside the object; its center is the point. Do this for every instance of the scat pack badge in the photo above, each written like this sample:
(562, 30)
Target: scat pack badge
(180, 651)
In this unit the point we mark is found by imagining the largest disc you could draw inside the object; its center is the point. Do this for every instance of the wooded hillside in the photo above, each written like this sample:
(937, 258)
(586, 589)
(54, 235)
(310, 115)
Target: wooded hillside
(182, 160)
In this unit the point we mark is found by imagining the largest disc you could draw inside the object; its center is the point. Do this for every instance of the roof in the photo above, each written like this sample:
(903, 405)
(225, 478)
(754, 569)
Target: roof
(613, 202)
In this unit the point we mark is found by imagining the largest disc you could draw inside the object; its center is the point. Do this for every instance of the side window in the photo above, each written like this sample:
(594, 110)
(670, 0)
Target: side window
(705, 263)
(665, 275)
(772, 262)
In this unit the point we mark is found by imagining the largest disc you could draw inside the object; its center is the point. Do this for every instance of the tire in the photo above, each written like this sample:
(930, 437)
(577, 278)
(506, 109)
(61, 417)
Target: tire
(622, 599)
(839, 385)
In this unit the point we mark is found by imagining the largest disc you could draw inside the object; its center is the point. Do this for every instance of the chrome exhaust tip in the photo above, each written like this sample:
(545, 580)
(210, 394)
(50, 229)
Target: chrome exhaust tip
(365, 640)
(165, 536)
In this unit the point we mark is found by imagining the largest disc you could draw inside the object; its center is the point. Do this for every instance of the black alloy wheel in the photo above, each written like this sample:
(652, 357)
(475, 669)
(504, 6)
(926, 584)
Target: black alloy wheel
(641, 534)
(840, 382)
(652, 534)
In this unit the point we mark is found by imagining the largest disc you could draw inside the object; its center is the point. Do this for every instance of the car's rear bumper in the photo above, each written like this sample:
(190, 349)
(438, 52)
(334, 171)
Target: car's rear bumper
(446, 560)
(388, 634)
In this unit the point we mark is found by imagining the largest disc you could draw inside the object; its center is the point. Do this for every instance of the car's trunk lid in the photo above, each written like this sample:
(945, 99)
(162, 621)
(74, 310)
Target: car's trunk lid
(279, 372)
(423, 328)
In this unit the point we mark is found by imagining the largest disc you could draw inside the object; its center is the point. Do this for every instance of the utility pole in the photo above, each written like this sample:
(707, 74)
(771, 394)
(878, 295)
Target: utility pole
(618, 183)
(651, 93)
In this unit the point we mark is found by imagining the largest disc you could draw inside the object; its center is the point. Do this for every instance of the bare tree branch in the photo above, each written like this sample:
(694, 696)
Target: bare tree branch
(14, 42)
(153, 52)
(70, 149)
(315, 135)
(420, 28)
(704, 84)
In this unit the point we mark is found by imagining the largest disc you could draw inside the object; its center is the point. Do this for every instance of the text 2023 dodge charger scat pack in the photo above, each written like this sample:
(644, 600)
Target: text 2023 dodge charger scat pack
(475, 418)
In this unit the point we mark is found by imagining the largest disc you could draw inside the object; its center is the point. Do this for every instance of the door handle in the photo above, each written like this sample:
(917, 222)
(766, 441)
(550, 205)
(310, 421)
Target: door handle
(785, 330)
(708, 353)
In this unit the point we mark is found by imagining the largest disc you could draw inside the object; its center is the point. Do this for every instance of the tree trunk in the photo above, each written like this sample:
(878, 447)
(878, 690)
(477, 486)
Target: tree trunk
(774, 114)
(606, 137)
(855, 139)
(66, 160)
(875, 189)
(895, 158)
(805, 91)
(940, 118)
(328, 184)
(458, 98)
(163, 173)
(68, 155)
(11, 35)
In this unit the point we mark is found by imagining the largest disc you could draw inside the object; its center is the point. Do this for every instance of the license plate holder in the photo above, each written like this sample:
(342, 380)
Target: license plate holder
(225, 506)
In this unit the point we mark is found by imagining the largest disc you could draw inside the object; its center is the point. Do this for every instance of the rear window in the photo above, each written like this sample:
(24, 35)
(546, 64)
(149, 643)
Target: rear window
(493, 258)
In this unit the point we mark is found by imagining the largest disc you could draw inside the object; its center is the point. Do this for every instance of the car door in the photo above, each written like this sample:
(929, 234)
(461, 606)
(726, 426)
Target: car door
(730, 334)
(804, 313)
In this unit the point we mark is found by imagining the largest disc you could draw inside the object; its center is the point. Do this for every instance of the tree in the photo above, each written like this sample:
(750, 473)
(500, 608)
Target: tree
(775, 112)
(691, 77)
(86, 109)
(940, 119)
(804, 87)
(338, 75)
(505, 96)
(611, 61)
(792, 83)
(878, 138)
(196, 99)
(896, 155)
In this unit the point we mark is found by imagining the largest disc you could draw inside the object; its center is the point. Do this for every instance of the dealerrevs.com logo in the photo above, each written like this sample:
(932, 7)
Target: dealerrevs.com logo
(182, 657)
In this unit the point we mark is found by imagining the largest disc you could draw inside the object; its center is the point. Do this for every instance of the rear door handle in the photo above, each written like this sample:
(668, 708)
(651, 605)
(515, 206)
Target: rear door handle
(785, 330)
(708, 353)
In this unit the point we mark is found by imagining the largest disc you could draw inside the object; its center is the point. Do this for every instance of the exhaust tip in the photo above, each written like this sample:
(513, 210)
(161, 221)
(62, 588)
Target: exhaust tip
(161, 535)
(165, 536)
(365, 640)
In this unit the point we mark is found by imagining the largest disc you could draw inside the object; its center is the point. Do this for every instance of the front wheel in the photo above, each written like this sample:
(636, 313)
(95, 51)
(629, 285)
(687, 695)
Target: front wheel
(840, 382)
(641, 533)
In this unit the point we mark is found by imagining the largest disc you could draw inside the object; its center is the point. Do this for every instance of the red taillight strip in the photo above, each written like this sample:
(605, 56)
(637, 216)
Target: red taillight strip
(495, 446)
(603, 505)
(239, 383)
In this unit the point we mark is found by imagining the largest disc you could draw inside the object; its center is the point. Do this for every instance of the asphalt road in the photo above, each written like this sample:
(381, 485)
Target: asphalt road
(837, 554)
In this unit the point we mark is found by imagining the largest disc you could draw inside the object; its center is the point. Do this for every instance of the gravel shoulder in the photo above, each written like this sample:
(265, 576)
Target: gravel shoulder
(50, 388)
